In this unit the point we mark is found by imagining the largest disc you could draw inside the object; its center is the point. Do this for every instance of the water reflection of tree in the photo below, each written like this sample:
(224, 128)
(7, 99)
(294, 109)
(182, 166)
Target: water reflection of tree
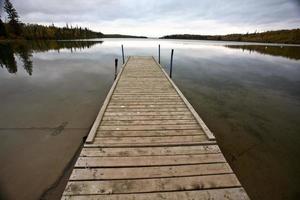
(24, 51)
(7, 58)
(26, 55)
(291, 52)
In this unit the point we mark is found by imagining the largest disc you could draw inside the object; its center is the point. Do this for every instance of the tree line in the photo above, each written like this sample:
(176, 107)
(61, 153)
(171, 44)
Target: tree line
(280, 36)
(15, 29)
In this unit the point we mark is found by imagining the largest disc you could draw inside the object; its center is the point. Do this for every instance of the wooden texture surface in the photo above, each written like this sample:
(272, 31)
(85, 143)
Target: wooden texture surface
(149, 143)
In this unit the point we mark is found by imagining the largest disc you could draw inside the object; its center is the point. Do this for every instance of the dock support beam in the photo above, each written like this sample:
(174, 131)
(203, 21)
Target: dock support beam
(123, 57)
(159, 53)
(171, 63)
(116, 68)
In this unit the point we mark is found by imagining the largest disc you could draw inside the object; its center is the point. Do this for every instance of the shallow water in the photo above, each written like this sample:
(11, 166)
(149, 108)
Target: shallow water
(248, 94)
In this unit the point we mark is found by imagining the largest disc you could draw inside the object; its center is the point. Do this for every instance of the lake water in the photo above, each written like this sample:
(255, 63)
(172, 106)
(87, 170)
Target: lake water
(50, 93)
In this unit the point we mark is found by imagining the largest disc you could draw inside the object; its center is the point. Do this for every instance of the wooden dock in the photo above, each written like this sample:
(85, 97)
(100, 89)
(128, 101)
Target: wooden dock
(148, 143)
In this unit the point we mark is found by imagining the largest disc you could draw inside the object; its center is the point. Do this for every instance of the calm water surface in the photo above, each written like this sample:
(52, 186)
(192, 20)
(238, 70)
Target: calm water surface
(50, 93)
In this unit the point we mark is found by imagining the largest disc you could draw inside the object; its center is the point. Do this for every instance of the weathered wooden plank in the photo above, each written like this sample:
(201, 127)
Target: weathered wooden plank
(141, 74)
(159, 78)
(149, 151)
(140, 71)
(143, 97)
(140, 77)
(165, 101)
(176, 102)
(149, 127)
(156, 97)
(147, 106)
(101, 145)
(141, 94)
(149, 117)
(151, 133)
(144, 84)
(150, 144)
(159, 89)
(169, 93)
(129, 90)
(148, 110)
(138, 86)
(165, 85)
(151, 185)
(237, 193)
(148, 122)
(149, 172)
(133, 93)
(145, 113)
(143, 91)
(148, 160)
(144, 105)
(150, 88)
(129, 80)
(126, 97)
(136, 81)
(149, 85)
(144, 102)
(134, 141)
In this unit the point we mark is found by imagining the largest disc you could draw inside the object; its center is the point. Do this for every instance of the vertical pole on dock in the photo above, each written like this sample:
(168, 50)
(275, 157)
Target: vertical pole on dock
(116, 68)
(171, 62)
(123, 55)
(159, 53)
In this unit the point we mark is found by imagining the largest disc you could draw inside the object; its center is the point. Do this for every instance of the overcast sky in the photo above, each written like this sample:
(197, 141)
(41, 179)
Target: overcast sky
(160, 17)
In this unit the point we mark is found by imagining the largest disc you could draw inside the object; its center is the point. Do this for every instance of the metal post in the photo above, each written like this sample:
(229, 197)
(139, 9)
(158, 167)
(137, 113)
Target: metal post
(123, 54)
(116, 68)
(159, 53)
(171, 63)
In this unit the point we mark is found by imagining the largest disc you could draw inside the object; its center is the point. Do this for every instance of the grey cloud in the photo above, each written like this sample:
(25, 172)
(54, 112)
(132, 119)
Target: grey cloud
(187, 13)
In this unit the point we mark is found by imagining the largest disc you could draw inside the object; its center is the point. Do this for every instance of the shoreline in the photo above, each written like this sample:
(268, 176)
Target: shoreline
(250, 42)
(196, 40)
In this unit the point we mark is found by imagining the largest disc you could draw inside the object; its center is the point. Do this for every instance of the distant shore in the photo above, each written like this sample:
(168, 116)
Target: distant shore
(71, 33)
(280, 36)
(122, 36)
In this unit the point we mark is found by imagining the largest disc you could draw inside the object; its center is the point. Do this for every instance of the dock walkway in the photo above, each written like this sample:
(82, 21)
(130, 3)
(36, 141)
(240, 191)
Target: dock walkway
(148, 143)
